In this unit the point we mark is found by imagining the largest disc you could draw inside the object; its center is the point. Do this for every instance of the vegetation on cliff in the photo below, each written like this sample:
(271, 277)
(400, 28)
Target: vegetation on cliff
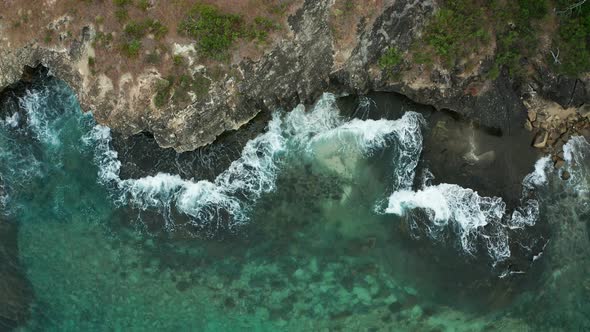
(216, 31)
(509, 33)
(572, 43)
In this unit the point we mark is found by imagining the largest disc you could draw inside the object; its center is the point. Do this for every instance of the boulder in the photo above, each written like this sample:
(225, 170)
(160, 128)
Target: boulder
(565, 175)
(566, 91)
(540, 141)
(559, 163)
(532, 115)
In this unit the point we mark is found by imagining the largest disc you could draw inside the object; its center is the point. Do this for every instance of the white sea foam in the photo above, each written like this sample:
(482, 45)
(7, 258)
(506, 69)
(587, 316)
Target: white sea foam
(454, 207)
(39, 118)
(576, 153)
(227, 200)
(470, 217)
(539, 176)
(368, 136)
(343, 146)
(13, 120)
(247, 178)
(105, 157)
(527, 214)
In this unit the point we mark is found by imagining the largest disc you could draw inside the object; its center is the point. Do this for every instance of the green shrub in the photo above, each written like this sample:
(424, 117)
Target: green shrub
(131, 48)
(198, 85)
(178, 60)
(390, 62)
(573, 40)
(121, 3)
(349, 5)
(163, 92)
(102, 39)
(456, 31)
(139, 29)
(158, 29)
(517, 41)
(214, 31)
(260, 29)
(135, 30)
(48, 36)
(390, 59)
(121, 14)
(461, 28)
(143, 4)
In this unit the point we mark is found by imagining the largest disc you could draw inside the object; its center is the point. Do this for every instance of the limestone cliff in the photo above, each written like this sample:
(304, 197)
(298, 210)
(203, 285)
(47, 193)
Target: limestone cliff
(324, 45)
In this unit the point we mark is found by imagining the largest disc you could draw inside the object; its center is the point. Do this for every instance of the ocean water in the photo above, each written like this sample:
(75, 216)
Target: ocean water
(326, 222)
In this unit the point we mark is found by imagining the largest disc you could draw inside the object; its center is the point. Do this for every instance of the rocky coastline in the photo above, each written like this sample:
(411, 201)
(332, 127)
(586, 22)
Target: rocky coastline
(306, 63)
(309, 59)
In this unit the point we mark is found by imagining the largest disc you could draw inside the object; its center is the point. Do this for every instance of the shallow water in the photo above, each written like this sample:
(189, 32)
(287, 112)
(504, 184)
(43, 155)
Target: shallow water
(325, 222)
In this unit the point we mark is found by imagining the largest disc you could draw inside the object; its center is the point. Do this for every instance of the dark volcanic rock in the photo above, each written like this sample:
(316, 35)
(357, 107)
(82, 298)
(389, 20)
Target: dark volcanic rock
(141, 156)
(566, 91)
(498, 106)
(309, 59)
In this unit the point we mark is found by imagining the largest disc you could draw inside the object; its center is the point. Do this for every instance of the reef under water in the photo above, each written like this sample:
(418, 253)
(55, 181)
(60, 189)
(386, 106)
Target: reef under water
(337, 216)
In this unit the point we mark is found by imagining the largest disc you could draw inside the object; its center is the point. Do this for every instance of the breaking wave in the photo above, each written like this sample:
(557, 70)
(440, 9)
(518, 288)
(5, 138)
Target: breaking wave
(44, 119)
(473, 219)
(319, 133)
(225, 203)
(576, 153)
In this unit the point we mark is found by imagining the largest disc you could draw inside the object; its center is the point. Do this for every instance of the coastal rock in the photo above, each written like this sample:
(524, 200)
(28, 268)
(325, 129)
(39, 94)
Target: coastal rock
(566, 91)
(311, 58)
(540, 141)
(532, 115)
(565, 175)
(559, 163)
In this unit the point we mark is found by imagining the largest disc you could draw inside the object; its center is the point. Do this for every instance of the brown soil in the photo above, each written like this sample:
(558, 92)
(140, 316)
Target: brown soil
(345, 17)
(56, 23)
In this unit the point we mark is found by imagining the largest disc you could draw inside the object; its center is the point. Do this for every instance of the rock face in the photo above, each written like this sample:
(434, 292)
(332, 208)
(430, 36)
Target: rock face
(311, 59)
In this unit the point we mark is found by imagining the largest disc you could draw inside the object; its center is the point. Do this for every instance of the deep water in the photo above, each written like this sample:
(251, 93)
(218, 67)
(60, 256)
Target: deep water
(333, 218)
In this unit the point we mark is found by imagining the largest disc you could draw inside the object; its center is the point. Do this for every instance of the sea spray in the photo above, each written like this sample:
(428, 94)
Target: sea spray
(222, 202)
(225, 203)
(576, 153)
(473, 219)
(33, 134)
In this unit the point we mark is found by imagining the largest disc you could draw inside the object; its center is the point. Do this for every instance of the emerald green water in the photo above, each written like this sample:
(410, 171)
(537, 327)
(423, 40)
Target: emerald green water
(310, 247)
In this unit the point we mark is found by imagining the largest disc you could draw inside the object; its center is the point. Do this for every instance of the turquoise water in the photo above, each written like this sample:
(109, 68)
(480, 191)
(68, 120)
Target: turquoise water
(322, 224)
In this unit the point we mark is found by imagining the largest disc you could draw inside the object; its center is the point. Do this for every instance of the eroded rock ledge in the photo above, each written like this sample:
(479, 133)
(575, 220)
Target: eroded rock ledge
(318, 53)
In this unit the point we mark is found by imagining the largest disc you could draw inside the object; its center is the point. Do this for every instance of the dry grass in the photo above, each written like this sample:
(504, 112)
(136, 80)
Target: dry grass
(25, 21)
(345, 18)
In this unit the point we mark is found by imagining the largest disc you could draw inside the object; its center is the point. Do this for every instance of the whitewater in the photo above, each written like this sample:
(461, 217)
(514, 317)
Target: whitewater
(319, 133)
(331, 214)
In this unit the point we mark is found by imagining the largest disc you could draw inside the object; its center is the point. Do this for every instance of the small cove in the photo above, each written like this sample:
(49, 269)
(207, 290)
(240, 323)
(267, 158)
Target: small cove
(295, 235)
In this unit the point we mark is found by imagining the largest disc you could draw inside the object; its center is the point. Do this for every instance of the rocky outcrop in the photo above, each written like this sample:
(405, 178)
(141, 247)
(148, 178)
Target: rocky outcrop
(309, 60)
